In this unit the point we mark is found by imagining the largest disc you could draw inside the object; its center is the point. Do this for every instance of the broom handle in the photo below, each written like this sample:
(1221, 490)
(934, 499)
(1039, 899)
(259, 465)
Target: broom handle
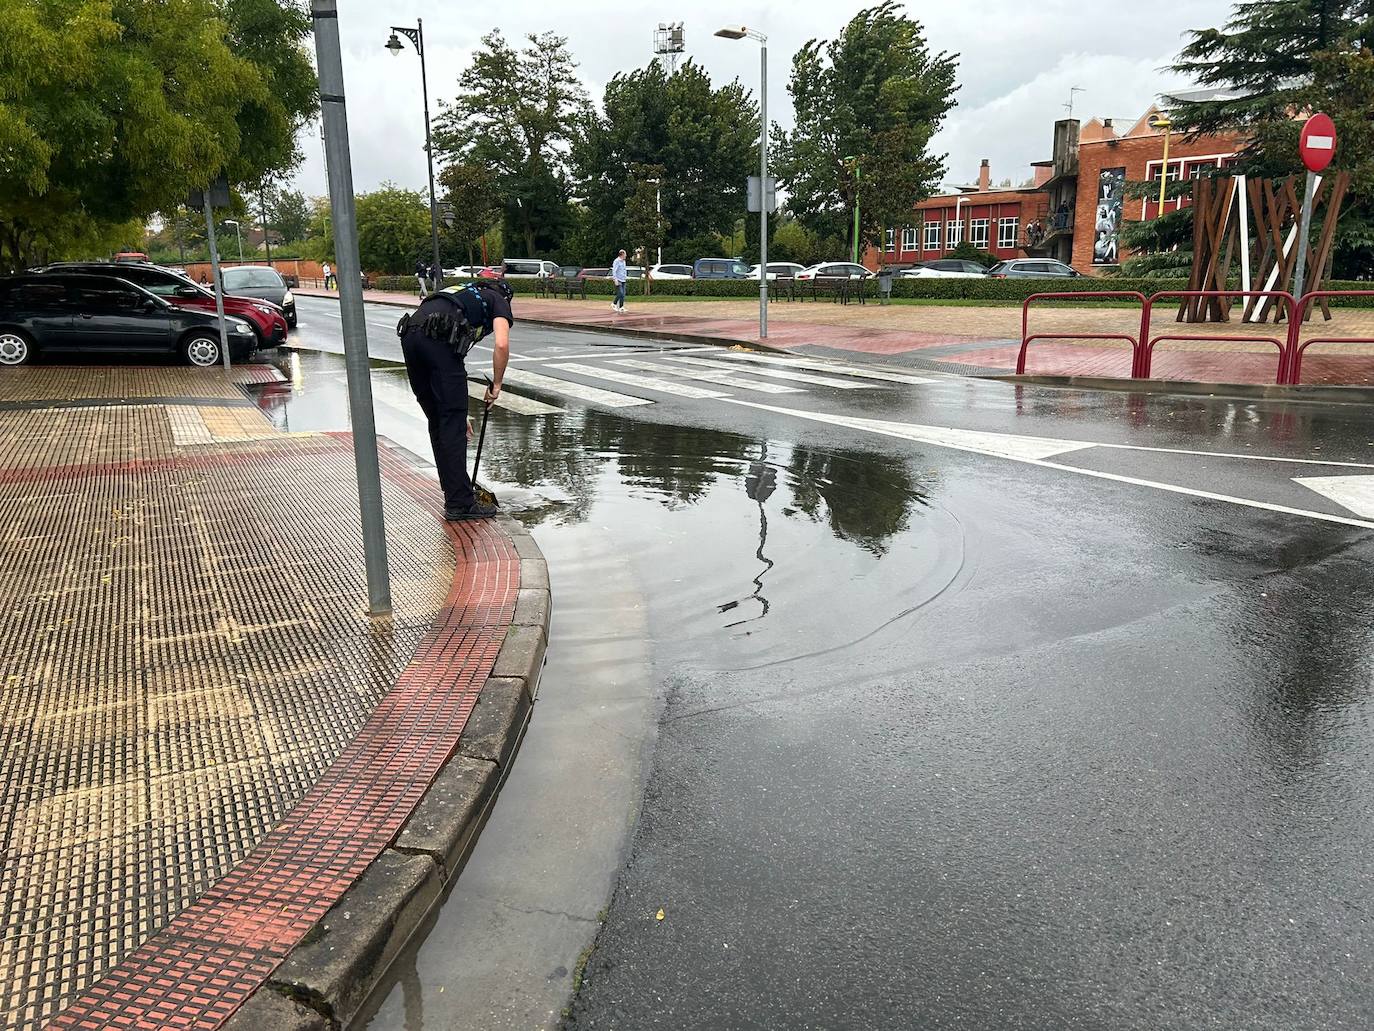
(482, 434)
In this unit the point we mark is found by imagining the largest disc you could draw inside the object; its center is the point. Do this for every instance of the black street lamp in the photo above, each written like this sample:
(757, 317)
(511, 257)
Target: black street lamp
(394, 44)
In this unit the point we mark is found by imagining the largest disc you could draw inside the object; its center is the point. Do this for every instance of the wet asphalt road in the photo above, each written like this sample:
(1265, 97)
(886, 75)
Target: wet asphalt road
(1000, 732)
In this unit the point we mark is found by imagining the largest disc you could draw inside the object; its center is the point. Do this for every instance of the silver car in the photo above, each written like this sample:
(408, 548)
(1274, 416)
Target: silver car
(263, 282)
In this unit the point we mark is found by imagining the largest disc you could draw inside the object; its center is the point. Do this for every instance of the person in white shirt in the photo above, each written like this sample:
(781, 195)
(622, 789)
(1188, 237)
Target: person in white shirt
(328, 275)
(619, 275)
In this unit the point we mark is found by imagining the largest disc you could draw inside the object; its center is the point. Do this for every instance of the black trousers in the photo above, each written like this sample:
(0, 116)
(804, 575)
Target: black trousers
(440, 384)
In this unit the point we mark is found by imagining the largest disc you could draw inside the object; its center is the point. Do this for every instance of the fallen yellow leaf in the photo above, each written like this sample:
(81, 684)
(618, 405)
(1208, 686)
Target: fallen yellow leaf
(660, 915)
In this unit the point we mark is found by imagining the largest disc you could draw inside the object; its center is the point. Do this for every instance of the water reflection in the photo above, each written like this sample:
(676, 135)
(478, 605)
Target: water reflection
(759, 484)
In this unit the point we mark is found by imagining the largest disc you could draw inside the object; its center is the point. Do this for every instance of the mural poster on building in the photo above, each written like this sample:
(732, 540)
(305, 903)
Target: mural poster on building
(1111, 183)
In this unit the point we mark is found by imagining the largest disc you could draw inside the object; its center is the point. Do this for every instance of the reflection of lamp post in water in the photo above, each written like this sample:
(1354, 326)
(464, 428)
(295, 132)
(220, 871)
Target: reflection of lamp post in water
(759, 483)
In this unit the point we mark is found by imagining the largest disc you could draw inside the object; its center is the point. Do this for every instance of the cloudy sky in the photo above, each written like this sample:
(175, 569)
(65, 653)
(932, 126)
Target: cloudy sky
(1017, 62)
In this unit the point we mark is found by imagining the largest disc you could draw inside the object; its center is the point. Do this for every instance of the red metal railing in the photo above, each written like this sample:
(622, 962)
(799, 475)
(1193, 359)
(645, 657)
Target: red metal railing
(1073, 295)
(1296, 345)
(1142, 370)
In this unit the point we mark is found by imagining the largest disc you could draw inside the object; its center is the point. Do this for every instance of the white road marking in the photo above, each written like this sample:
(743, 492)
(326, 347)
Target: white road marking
(1353, 492)
(1021, 449)
(513, 402)
(787, 374)
(578, 390)
(603, 353)
(643, 382)
(838, 368)
(725, 377)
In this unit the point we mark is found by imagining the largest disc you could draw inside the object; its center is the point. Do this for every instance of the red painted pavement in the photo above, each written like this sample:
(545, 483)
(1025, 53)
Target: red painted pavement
(211, 957)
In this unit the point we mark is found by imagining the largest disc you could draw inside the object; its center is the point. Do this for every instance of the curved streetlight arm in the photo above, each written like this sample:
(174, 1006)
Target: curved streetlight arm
(417, 39)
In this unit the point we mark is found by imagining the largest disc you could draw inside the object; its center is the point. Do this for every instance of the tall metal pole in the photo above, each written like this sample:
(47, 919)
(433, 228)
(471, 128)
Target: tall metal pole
(763, 189)
(1301, 273)
(658, 212)
(219, 283)
(266, 236)
(429, 156)
(238, 231)
(339, 165)
(857, 177)
(1164, 169)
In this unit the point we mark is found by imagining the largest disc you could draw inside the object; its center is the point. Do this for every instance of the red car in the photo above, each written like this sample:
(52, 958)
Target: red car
(267, 319)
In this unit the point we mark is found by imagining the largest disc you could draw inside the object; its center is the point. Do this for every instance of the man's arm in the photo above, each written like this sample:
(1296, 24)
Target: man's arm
(500, 332)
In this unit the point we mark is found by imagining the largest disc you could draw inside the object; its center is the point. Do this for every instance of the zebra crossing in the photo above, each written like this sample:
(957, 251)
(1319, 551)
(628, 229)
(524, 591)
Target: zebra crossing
(647, 377)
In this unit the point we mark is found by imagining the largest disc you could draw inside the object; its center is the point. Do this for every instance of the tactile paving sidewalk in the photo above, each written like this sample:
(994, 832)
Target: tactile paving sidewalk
(186, 657)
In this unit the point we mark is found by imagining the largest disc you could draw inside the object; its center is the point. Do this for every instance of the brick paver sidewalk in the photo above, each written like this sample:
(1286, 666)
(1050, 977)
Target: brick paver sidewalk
(187, 658)
(981, 338)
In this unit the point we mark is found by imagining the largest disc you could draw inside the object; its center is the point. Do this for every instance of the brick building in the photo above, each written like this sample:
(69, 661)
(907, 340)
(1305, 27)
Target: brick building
(1073, 207)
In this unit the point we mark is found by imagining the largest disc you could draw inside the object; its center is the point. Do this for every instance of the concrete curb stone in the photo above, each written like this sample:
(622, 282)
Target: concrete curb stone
(324, 981)
(1266, 391)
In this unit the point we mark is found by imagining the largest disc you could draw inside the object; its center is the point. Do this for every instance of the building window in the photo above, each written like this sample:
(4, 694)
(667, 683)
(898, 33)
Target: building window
(908, 239)
(954, 232)
(978, 232)
(891, 240)
(932, 236)
(1006, 234)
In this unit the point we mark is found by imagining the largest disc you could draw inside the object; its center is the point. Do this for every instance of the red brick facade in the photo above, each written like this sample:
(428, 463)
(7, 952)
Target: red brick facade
(993, 220)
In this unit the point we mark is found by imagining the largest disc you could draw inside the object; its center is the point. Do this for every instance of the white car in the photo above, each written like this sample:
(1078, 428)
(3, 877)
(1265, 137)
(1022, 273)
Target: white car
(946, 268)
(529, 268)
(785, 269)
(671, 272)
(836, 269)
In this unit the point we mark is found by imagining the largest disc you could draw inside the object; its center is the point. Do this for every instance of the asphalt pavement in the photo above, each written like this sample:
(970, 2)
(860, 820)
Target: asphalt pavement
(896, 699)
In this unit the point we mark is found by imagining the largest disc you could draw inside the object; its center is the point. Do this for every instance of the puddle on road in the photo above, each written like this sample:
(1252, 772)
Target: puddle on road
(752, 551)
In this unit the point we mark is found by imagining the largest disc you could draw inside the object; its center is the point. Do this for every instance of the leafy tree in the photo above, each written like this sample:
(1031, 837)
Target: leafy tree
(878, 94)
(393, 229)
(473, 200)
(966, 251)
(288, 212)
(1273, 59)
(705, 140)
(644, 227)
(515, 112)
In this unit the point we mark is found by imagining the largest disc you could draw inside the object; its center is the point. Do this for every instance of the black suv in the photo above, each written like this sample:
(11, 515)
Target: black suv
(62, 312)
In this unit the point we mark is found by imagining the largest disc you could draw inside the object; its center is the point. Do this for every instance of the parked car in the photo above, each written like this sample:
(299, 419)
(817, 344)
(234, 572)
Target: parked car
(264, 283)
(778, 270)
(835, 268)
(267, 320)
(528, 268)
(62, 311)
(720, 268)
(946, 268)
(670, 272)
(1033, 268)
(594, 273)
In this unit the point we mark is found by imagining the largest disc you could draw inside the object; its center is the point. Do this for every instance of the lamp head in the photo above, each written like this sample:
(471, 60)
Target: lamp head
(395, 45)
(732, 32)
(1161, 122)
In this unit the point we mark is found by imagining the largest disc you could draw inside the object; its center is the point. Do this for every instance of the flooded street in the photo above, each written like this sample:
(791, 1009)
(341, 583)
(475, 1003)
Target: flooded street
(926, 704)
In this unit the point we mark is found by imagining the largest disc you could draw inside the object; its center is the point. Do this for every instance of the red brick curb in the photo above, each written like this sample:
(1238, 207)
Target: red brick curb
(318, 909)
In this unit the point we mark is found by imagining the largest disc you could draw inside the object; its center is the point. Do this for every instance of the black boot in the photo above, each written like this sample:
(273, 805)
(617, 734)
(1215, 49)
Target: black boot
(477, 510)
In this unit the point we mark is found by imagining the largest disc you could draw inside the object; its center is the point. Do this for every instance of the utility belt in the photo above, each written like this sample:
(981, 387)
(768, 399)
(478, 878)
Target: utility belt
(450, 328)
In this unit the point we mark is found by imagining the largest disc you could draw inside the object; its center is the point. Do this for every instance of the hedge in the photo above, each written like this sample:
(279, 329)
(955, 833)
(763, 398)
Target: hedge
(1014, 290)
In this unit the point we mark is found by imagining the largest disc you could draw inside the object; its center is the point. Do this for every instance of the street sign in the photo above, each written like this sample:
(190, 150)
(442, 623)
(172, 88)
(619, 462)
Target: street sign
(753, 204)
(1317, 144)
(219, 196)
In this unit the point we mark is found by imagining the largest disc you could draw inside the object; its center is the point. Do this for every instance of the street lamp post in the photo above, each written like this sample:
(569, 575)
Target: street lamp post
(854, 163)
(740, 32)
(1163, 122)
(394, 44)
(238, 233)
(658, 214)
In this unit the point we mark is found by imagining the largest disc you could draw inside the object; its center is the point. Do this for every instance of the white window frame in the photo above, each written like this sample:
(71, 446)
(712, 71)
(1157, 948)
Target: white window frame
(954, 233)
(891, 241)
(976, 224)
(1006, 241)
(909, 238)
(932, 238)
(1152, 174)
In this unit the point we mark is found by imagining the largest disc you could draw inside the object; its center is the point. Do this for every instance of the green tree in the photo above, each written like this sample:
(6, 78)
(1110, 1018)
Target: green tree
(705, 140)
(393, 229)
(1273, 59)
(876, 93)
(288, 212)
(473, 204)
(645, 228)
(515, 113)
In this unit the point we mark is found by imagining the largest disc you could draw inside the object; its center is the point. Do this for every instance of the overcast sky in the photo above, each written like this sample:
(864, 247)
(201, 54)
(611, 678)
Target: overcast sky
(1017, 62)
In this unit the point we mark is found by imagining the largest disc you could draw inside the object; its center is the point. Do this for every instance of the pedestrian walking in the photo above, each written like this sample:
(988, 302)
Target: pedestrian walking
(435, 274)
(328, 276)
(421, 269)
(619, 275)
(435, 339)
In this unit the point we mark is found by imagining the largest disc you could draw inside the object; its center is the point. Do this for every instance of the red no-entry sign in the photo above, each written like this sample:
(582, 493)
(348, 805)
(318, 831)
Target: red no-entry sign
(1317, 144)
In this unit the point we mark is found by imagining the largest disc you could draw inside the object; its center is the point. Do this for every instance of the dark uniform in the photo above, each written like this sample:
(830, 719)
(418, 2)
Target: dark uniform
(439, 379)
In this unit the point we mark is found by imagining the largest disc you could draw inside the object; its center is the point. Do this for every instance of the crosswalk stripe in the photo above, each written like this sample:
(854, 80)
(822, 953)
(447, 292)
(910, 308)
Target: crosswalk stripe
(787, 374)
(581, 391)
(832, 367)
(643, 382)
(391, 391)
(514, 402)
(725, 377)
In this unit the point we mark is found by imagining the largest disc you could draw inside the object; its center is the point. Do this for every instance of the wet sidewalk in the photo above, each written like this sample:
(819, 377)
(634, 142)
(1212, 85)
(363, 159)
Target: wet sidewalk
(975, 339)
(204, 743)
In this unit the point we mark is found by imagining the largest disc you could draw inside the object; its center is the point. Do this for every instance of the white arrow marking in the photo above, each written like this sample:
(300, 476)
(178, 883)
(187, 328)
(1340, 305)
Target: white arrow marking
(1353, 492)
(1034, 451)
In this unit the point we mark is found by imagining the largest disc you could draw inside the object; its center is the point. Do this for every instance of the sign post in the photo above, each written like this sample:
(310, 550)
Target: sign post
(1317, 145)
(215, 195)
